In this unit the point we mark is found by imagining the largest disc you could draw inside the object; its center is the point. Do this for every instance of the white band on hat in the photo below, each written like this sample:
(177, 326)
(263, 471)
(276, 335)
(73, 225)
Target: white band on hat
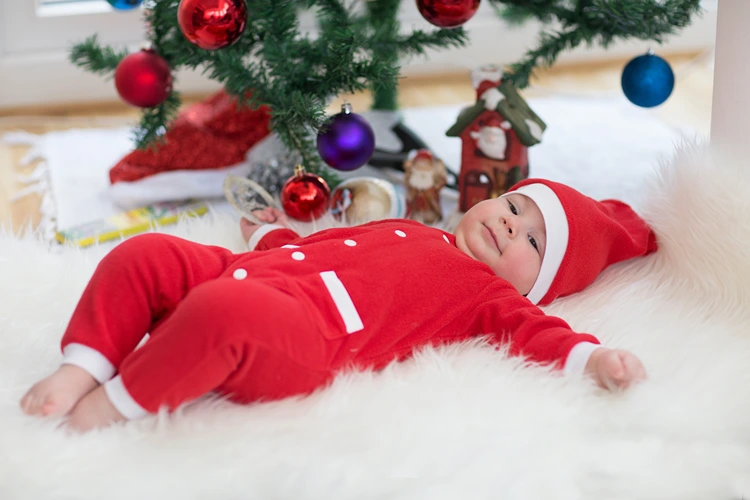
(556, 224)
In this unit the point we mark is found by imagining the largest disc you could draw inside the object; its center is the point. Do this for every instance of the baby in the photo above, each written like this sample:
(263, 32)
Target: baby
(284, 318)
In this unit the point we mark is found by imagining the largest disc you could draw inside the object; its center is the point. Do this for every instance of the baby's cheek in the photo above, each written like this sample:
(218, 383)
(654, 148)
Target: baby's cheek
(519, 277)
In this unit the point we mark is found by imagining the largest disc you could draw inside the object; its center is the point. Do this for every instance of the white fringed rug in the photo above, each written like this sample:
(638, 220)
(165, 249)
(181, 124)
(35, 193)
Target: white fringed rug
(463, 422)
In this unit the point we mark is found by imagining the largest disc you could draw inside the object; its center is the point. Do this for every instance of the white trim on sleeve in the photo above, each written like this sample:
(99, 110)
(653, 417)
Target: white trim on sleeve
(90, 360)
(343, 301)
(260, 233)
(578, 357)
(121, 399)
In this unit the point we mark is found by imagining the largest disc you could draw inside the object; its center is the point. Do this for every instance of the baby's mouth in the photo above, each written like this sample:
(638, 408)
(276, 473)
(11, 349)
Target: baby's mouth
(493, 238)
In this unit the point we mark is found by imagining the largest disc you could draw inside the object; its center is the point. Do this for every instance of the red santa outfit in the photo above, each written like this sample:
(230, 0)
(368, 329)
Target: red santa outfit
(283, 319)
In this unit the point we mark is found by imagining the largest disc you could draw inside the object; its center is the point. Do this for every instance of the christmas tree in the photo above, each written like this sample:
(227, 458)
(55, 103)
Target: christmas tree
(257, 52)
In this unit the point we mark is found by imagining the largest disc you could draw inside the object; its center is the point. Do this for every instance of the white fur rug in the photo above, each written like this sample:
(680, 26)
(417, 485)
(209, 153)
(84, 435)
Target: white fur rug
(463, 422)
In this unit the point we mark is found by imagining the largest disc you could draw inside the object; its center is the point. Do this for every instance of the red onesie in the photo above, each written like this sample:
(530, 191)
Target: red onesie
(283, 319)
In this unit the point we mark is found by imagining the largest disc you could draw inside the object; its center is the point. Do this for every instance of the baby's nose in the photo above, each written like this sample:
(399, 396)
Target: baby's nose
(510, 226)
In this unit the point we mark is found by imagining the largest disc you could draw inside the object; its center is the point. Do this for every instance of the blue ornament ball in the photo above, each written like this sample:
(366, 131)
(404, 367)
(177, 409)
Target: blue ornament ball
(347, 141)
(124, 4)
(647, 80)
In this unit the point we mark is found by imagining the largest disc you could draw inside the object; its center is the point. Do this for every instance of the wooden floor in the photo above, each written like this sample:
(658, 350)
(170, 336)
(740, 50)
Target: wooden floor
(690, 104)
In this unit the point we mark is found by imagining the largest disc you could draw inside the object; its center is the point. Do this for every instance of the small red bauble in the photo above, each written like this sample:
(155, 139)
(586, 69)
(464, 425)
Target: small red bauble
(305, 196)
(143, 79)
(212, 24)
(447, 13)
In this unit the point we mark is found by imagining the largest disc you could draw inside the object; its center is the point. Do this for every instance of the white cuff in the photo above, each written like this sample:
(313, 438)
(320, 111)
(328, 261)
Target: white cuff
(578, 357)
(122, 400)
(260, 233)
(90, 360)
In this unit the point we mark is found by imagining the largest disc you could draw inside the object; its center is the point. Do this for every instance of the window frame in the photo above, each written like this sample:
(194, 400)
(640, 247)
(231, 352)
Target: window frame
(29, 27)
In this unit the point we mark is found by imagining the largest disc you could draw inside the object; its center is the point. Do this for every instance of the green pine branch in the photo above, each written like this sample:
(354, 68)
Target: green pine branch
(91, 56)
(297, 75)
(151, 130)
(593, 22)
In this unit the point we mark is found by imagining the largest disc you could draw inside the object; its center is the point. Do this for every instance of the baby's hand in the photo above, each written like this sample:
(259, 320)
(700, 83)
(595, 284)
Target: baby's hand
(615, 369)
(272, 215)
(268, 215)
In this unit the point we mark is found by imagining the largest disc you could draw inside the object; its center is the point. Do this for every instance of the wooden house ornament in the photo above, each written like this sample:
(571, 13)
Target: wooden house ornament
(495, 133)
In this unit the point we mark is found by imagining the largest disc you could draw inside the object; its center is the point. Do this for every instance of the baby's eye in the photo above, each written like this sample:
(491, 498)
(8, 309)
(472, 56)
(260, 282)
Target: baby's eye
(512, 208)
(533, 242)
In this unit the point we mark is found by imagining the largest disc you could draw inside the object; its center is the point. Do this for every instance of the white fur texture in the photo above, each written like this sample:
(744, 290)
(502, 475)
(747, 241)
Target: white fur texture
(463, 422)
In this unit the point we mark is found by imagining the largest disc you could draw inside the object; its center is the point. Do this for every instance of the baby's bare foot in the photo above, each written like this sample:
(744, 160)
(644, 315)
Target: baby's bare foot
(57, 394)
(92, 411)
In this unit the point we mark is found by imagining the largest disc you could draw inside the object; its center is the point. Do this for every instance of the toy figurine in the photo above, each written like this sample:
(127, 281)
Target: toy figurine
(424, 176)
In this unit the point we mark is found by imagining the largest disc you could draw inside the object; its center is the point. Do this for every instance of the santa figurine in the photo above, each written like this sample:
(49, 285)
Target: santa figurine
(424, 176)
(491, 138)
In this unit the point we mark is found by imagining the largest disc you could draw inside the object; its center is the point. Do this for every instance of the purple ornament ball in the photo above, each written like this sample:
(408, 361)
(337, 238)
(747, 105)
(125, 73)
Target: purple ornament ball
(347, 141)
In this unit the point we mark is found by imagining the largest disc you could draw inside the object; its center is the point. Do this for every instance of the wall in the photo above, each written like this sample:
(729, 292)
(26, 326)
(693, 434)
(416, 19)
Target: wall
(34, 68)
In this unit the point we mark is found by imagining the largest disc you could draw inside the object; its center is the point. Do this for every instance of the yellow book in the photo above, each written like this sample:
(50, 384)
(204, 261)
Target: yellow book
(133, 222)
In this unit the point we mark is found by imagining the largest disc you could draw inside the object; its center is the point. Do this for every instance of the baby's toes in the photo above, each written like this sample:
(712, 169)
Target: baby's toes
(31, 403)
(26, 402)
(51, 405)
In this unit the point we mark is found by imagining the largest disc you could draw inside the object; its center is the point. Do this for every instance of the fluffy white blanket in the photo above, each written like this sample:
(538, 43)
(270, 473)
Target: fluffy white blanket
(460, 422)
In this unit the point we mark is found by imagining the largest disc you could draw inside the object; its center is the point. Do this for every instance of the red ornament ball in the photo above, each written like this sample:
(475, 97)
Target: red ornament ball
(143, 79)
(305, 196)
(212, 24)
(447, 13)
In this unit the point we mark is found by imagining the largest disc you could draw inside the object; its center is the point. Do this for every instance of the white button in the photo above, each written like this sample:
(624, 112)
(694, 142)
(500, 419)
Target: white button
(446, 239)
(401, 233)
(350, 243)
(298, 256)
(239, 274)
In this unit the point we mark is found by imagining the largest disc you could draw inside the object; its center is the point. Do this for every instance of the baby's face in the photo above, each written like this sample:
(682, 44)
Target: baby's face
(507, 234)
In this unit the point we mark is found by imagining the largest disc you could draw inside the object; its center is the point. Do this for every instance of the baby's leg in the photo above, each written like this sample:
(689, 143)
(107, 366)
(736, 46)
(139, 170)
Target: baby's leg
(134, 287)
(222, 331)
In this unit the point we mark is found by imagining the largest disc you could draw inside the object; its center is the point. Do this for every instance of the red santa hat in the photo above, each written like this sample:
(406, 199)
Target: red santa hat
(420, 154)
(584, 236)
(491, 121)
